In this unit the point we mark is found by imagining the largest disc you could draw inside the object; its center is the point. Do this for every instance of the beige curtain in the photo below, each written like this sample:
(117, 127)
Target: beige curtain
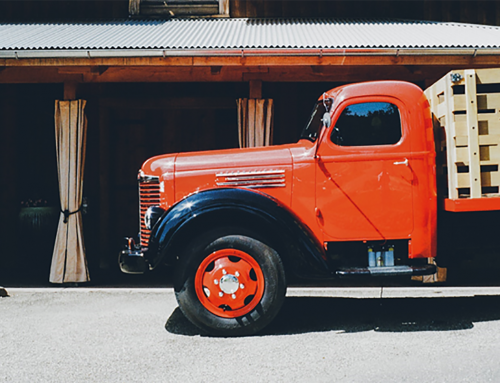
(69, 264)
(255, 122)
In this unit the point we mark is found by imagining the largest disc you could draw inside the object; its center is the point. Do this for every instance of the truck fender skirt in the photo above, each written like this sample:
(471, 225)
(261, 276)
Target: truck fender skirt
(299, 249)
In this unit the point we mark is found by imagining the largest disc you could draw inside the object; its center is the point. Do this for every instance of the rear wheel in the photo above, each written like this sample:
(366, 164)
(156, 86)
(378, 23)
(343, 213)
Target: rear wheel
(231, 285)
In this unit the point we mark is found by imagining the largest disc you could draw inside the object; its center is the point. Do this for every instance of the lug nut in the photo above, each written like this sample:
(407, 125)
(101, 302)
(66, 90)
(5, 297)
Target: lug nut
(224, 271)
(216, 282)
(233, 296)
(237, 274)
(221, 294)
(242, 286)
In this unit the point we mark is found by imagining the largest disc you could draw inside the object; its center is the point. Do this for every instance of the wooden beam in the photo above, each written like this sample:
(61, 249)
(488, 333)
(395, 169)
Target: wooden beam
(352, 73)
(82, 70)
(260, 61)
(98, 70)
(255, 89)
(215, 70)
(70, 90)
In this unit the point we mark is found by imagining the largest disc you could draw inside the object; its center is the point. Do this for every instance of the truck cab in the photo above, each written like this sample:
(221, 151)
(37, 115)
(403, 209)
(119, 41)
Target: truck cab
(355, 196)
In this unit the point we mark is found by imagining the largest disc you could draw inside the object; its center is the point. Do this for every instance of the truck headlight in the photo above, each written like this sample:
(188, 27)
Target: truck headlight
(153, 214)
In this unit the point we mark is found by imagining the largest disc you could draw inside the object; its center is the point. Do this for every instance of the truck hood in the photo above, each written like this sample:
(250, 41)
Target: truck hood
(234, 159)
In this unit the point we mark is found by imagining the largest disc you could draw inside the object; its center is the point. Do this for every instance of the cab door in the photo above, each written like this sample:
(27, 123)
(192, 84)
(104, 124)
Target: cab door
(363, 172)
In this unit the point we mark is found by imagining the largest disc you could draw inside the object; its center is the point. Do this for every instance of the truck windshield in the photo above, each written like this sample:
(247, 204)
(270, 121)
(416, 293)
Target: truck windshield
(315, 122)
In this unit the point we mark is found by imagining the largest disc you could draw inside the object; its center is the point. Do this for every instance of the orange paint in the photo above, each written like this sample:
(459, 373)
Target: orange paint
(245, 280)
(342, 193)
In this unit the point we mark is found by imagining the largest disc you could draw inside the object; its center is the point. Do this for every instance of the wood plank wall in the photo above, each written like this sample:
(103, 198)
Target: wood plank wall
(469, 11)
(63, 10)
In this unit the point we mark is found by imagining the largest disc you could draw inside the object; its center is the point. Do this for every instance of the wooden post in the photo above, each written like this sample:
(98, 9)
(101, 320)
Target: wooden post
(70, 90)
(472, 130)
(223, 7)
(255, 89)
(451, 150)
(134, 7)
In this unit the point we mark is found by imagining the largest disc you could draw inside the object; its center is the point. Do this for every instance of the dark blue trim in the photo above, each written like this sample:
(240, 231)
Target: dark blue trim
(298, 247)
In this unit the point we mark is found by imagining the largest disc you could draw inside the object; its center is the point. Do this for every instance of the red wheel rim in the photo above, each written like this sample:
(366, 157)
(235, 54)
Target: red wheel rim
(229, 283)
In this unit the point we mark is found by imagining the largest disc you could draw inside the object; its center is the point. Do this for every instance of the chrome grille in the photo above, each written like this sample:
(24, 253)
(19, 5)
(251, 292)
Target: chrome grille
(149, 195)
(252, 179)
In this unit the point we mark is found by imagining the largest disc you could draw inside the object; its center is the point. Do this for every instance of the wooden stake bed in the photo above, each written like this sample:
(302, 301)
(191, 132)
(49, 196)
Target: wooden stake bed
(465, 106)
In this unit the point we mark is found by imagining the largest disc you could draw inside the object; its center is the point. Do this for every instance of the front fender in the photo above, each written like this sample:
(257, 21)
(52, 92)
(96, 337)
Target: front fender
(300, 250)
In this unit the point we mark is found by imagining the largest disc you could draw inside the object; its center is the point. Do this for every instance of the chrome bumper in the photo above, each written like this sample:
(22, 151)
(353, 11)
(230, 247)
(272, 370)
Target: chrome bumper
(131, 260)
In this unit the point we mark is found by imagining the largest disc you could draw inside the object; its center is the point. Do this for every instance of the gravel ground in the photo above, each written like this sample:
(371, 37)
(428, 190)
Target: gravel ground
(321, 335)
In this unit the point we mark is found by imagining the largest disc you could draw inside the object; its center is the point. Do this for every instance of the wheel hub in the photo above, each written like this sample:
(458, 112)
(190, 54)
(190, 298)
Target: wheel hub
(229, 284)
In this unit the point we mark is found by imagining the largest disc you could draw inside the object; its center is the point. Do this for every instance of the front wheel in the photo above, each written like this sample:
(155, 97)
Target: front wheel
(232, 285)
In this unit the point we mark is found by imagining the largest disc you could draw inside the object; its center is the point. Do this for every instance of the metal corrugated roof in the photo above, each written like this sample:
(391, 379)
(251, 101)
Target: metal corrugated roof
(227, 34)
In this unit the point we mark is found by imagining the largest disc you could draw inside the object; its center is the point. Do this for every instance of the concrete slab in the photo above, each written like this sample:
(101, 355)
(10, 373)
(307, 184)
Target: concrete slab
(393, 292)
(340, 292)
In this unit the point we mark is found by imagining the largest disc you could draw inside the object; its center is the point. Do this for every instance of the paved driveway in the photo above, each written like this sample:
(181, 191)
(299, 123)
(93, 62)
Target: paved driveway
(321, 335)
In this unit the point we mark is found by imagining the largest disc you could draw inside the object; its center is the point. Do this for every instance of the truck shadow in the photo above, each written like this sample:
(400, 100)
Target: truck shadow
(316, 314)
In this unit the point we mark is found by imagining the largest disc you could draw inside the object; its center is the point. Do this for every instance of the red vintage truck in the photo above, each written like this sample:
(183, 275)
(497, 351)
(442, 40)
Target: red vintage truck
(356, 196)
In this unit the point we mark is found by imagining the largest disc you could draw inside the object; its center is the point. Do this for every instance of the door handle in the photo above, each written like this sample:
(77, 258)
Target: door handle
(405, 162)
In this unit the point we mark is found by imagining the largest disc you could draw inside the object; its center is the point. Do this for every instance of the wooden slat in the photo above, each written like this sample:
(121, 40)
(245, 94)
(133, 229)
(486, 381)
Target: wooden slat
(488, 76)
(251, 123)
(191, 10)
(485, 140)
(488, 123)
(487, 179)
(260, 121)
(492, 158)
(484, 101)
(472, 124)
(241, 116)
(472, 127)
(269, 122)
(450, 142)
(441, 110)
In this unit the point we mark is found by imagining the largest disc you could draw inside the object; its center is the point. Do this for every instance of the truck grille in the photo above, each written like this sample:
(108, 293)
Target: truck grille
(149, 195)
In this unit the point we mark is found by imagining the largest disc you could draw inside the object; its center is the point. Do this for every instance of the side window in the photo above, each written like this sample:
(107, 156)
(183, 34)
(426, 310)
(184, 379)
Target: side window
(366, 124)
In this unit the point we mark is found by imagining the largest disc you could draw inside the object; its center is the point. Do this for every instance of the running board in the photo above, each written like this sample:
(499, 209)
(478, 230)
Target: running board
(387, 271)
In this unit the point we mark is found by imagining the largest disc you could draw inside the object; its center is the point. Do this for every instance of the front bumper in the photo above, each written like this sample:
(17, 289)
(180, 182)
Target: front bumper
(132, 260)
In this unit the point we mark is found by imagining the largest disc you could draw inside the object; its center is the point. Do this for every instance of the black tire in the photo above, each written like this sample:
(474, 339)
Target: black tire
(201, 314)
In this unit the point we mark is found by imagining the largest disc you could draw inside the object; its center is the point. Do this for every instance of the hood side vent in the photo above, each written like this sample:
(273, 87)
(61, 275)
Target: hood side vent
(252, 179)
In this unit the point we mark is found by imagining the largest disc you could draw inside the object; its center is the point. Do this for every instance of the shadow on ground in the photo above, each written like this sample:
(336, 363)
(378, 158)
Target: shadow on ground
(313, 314)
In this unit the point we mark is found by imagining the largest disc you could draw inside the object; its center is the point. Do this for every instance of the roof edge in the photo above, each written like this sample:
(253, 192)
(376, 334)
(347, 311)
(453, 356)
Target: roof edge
(137, 53)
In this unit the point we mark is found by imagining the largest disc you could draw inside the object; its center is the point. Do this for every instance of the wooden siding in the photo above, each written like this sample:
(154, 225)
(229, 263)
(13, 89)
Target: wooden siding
(17, 11)
(478, 12)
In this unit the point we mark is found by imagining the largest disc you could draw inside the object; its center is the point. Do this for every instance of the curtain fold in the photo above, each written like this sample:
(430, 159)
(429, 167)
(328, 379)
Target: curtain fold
(69, 263)
(255, 122)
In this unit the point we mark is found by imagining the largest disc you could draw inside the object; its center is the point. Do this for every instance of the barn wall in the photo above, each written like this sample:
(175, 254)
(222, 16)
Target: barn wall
(476, 11)
(480, 12)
